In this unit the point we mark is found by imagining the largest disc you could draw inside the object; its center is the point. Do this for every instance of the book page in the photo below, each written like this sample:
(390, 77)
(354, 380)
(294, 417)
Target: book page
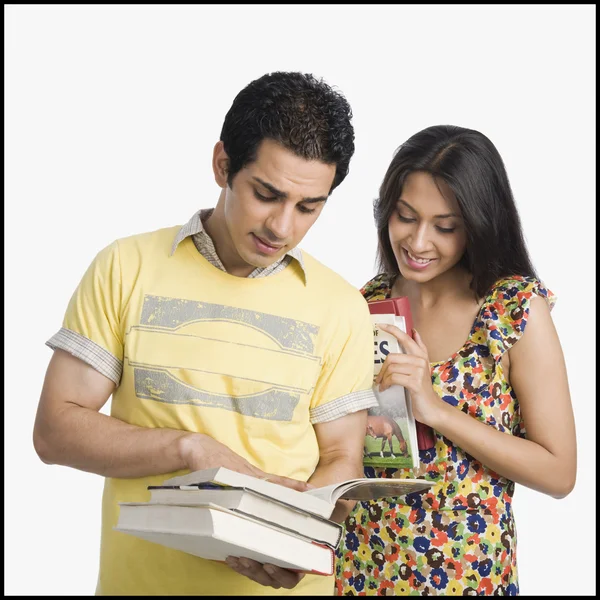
(375, 489)
(369, 489)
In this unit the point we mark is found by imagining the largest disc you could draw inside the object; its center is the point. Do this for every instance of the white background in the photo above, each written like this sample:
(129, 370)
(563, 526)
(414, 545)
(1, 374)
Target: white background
(111, 116)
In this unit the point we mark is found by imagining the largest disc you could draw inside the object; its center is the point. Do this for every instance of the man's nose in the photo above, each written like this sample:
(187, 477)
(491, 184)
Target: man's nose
(281, 222)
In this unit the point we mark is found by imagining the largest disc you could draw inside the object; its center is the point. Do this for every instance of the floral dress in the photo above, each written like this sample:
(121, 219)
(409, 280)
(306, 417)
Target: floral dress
(458, 537)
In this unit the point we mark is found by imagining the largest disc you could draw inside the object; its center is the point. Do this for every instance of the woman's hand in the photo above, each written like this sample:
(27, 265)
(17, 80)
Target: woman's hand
(412, 371)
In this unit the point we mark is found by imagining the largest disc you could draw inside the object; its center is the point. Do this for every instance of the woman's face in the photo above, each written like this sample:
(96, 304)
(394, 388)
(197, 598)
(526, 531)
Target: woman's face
(426, 229)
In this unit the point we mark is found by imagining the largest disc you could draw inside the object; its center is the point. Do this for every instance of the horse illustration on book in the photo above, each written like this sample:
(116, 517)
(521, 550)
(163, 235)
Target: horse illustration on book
(386, 428)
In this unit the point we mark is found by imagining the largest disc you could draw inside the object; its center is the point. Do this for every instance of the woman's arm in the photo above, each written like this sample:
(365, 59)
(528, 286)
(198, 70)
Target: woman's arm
(546, 460)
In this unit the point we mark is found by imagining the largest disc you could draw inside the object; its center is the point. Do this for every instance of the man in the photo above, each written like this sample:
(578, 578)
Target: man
(221, 343)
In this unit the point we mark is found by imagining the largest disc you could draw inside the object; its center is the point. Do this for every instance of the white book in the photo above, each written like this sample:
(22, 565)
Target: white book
(253, 504)
(214, 533)
(312, 500)
(222, 477)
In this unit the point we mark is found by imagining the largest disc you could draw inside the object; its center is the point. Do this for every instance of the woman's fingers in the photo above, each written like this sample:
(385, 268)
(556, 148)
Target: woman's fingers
(396, 379)
(420, 342)
(412, 368)
(408, 344)
(408, 360)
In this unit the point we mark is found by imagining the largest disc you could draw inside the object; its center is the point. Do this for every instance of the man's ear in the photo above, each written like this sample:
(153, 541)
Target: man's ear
(220, 164)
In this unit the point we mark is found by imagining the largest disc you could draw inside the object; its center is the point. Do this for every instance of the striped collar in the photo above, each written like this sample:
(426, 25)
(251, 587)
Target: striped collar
(194, 228)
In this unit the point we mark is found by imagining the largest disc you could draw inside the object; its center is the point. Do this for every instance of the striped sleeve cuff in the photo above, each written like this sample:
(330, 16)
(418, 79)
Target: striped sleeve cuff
(340, 407)
(89, 352)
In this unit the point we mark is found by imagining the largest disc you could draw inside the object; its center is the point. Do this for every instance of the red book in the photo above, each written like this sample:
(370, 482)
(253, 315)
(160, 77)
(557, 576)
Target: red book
(400, 307)
(394, 306)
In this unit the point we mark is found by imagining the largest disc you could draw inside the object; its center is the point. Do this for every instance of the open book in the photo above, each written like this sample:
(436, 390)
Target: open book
(368, 488)
(393, 436)
(220, 477)
(320, 501)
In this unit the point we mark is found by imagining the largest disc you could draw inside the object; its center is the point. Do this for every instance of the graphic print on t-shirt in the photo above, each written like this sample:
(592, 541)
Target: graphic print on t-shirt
(212, 355)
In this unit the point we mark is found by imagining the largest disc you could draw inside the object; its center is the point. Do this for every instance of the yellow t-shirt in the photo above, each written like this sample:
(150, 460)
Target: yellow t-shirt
(251, 362)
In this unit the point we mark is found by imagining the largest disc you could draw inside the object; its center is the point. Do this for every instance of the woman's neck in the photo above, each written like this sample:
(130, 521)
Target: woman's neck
(452, 285)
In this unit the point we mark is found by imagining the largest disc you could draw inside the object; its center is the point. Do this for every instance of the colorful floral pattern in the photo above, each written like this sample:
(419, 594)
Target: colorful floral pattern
(458, 537)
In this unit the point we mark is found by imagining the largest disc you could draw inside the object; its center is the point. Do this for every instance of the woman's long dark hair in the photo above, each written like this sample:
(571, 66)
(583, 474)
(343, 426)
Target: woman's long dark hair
(473, 169)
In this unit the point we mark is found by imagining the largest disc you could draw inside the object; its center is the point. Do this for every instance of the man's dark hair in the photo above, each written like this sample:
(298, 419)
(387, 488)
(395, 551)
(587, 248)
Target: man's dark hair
(302, 113)
(468, 162)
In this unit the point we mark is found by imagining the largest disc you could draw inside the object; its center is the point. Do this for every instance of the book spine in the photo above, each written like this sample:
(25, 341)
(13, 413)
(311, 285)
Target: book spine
(402, 309)
(332, 556)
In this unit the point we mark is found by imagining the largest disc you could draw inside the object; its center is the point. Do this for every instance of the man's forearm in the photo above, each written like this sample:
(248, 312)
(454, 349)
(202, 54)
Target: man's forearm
(91, 441)
(333, 470)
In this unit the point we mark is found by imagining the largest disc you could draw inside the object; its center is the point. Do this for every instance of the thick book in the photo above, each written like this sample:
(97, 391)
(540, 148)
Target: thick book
(220, 477)
(253, 504)
(393, 437)
(362, 489)
(214, 533)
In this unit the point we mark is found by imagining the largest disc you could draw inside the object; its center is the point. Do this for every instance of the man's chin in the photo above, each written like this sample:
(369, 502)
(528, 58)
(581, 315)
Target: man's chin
(260, 261)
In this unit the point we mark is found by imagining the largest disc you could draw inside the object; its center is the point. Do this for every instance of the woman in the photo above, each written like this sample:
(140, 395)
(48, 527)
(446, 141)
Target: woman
(485, 370)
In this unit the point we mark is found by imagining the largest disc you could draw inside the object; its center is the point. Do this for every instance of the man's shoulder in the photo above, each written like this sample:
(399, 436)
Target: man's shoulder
(164, 235)
(328, 282)
(157, 242)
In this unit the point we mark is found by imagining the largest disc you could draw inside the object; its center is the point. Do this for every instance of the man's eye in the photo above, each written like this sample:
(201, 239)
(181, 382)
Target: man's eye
(305, 210)
(264, 198)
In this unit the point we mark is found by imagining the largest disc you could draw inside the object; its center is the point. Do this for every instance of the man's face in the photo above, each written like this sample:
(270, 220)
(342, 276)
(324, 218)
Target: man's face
(271, 204)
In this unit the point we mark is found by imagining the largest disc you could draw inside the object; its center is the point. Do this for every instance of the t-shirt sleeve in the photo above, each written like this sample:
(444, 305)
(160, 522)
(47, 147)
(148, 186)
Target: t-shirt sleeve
(91, 328)
(345, 384)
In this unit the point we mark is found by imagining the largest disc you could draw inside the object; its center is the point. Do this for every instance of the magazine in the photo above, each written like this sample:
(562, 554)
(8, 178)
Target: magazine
(391, 437)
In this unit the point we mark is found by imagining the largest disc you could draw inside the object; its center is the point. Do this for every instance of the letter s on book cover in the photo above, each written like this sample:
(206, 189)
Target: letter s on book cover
(400, 307)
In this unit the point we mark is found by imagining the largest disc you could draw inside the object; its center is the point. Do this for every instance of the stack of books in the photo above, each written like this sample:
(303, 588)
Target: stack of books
(216, 513)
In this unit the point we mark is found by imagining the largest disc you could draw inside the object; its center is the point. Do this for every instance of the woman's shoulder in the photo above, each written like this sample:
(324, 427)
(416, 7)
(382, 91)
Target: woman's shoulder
(378, 288)
(517, 291)
(505, 310)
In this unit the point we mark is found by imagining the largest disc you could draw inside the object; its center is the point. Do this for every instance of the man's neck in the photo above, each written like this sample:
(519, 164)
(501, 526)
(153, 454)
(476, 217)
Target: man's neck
(216, 228)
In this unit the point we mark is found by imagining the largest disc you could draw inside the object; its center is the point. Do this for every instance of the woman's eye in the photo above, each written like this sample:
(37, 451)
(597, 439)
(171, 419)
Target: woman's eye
(445, 229)
(406, 219)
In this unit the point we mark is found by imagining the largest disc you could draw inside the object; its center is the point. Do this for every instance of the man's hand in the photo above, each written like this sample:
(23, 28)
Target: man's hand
(200, 451)
(268, 575)
(203, 452)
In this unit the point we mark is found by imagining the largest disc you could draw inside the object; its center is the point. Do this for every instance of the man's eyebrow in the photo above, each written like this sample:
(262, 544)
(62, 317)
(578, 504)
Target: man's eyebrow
(280, 194)
(317, 199)
(435, 216)
(271, 188)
